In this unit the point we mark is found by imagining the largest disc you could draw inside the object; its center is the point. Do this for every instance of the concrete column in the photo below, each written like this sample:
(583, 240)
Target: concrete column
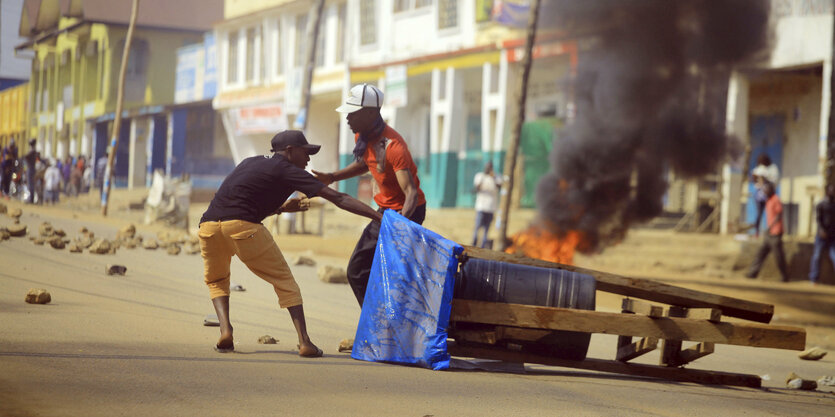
(734, 195)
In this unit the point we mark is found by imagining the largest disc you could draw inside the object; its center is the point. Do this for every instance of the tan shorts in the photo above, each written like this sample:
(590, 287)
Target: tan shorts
(255, 247)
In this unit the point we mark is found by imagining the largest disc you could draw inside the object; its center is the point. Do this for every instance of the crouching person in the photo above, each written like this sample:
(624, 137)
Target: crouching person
(258, 187)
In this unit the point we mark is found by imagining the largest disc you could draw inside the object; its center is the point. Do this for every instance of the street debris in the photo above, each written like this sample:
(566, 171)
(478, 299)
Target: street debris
(267, 340)
(4, 234)
(346, 345)
(332, 275)
(38, 240)
(826, 380)
(101, 247)
(794, 381)
(75, 248)
(115, 269)
(150, 244)
(812, 354)
(15, 213)
(211, 320)
(17, 230)
(237, 287)
(38, 296)
(192, 249)
(304, 260)
(57, 242)
(126, 232)
(168, 201)
(173, 249)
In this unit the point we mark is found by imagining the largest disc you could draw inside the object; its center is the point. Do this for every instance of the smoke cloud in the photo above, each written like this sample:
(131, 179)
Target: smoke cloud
(649, 93)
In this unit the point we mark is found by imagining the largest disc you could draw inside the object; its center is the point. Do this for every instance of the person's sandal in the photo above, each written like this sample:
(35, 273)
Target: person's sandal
(219, 349)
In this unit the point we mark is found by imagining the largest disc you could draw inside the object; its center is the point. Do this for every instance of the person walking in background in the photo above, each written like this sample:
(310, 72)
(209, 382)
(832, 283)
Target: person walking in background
(487, 186)
(825, 238)
(773, 237)
(381, 151)
(31, 161)
(7, 168)
(52, 183)
(101, 166)
(764, 172)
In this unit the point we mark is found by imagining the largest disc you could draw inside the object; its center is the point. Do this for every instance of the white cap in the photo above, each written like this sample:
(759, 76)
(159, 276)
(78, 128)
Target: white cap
(362, 95)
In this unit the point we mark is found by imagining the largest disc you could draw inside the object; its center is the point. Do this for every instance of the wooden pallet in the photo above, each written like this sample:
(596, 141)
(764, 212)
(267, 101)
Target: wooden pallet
(493, 330)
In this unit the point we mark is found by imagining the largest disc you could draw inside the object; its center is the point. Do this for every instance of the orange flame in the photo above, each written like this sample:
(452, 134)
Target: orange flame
(540, 243)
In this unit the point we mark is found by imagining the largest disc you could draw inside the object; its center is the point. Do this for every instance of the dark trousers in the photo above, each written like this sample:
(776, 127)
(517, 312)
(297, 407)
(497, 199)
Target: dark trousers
(359, 266)
(760, 210)
(821, 245)
(775, 243)
(482, 221)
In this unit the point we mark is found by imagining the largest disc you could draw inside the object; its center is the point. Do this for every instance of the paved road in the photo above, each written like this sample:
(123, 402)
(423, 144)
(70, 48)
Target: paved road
(135, 345)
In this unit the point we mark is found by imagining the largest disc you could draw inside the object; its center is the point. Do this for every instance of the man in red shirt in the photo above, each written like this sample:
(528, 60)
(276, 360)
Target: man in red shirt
(381, 151)
(774, 235)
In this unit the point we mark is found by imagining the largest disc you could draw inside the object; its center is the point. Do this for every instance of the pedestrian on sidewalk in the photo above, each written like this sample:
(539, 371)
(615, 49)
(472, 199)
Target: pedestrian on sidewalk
(487, 185)
(773, 237)
(259, 187)
(52, 182)
(825, 239)
(381, 151)
(764, 172)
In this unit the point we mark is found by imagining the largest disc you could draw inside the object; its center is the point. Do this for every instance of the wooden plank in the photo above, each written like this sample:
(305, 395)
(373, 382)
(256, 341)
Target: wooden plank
(517, 315)
(709, 314)
(515, 333)
(633, 350)
(644, 288)
(692, 353)
(632, 305)
(652, 371)
(671, 348)
(474, 336)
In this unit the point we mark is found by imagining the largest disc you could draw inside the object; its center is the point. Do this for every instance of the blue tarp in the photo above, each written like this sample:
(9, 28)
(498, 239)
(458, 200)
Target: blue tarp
(407, 304)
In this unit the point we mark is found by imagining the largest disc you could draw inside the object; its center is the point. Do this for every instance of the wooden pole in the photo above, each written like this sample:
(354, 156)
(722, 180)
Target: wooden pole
(117, 120)
(310, 63)
(515, 133)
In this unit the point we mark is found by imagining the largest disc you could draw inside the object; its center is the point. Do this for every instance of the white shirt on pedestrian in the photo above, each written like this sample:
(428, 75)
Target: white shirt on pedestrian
(52, 178)
(487, 196)
(770, 173)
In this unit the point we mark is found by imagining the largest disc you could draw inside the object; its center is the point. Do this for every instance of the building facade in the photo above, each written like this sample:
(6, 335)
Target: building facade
(78, 48)
(781, 108)
(447, 67)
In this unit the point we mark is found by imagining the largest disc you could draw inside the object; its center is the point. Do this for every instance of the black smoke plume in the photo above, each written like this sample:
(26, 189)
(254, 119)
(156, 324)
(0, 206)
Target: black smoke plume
(650, 94)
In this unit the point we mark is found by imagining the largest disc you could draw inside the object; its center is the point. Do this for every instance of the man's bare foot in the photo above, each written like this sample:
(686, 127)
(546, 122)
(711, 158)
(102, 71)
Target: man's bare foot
(309, 350)
(226, 343)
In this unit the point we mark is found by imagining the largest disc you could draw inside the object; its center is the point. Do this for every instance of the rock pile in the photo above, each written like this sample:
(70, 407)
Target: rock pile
(332, 275)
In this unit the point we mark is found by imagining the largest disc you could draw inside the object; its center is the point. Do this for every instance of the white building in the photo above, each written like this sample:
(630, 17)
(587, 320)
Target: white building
(446, 68)
(781, 108)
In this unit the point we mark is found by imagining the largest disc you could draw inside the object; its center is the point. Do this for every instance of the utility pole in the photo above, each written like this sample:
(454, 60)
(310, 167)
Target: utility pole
(117, 120)
(515, 133)
(829, 165)
(310, 62)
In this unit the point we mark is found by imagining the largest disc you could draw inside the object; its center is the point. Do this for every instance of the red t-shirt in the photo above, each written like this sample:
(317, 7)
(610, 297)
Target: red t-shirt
(774, 210)
(395, 157)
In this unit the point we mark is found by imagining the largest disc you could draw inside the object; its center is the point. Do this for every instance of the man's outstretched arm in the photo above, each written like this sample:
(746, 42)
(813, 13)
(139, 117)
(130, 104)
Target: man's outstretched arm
(349, 204)
(352, 170)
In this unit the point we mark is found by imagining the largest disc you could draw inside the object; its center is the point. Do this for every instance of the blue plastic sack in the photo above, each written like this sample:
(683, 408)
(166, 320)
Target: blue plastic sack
(409, 296)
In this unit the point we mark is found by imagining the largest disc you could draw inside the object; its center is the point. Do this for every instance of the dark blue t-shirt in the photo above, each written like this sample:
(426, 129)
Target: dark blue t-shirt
(257, 187)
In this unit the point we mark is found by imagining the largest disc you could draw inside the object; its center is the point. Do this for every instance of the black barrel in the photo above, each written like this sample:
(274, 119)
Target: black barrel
(494, 281)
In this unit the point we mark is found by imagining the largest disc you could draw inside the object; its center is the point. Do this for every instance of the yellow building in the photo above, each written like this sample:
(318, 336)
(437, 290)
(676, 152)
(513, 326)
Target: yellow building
(78, 46)
(13, 102)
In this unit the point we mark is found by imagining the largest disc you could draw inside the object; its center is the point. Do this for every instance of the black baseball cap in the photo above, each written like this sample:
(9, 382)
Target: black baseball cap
(292, 138)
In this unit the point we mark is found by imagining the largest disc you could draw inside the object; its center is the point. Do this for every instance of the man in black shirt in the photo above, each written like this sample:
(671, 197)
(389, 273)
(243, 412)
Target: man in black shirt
(825, 239)
(258, 187)
(31, 159)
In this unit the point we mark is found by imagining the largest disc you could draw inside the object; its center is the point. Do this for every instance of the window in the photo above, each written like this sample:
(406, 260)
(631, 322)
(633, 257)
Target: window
(232, 59)
(301, 40)
(406, 5)
(368, 22)
(447, 14)
(250, 53)
(137, 58)
(279, 57)
(340, 33)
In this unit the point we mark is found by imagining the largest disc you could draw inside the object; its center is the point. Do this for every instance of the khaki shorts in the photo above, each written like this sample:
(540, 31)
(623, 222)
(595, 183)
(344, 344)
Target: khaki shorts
(255, 247)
